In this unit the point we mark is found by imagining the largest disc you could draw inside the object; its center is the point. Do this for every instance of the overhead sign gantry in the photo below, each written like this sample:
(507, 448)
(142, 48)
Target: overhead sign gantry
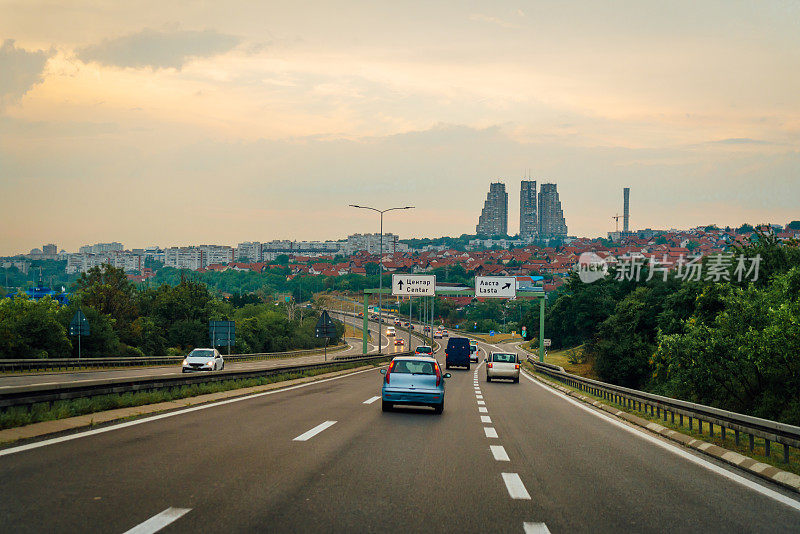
(424, 285)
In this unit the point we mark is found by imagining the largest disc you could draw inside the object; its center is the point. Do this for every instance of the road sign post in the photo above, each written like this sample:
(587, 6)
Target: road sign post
(325, 328)
(79, 326)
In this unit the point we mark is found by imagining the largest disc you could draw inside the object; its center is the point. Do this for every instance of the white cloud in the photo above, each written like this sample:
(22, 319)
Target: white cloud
(19, 70)
(158, 49)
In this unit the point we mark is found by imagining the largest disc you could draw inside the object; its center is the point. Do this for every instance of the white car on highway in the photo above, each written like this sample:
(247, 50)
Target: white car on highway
(502, 365)
(203, 360)
(473, 352)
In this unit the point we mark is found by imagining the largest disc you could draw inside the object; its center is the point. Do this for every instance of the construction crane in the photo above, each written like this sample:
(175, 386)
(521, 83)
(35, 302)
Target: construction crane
(616, 218)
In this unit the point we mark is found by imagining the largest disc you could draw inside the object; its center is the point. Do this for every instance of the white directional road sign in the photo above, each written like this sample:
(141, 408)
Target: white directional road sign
(415, 285)
(496, 286)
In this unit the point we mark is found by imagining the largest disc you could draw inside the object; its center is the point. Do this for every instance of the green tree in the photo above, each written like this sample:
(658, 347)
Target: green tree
(30, 329)
(108, 290)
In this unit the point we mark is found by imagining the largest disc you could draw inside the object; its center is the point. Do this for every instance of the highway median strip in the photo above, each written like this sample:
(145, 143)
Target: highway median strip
(50, 424)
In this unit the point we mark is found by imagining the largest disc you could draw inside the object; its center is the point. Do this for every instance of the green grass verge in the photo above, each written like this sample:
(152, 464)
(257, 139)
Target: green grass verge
(26, 415)
(759, 450)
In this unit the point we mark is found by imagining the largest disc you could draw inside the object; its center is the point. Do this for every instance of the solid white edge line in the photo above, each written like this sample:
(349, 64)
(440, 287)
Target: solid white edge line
(516, 489)
(490, 431)
(60, 439)
(159, 521)
(371, 400)
(788, 501)
(305, 436)
(499, 453)
(535, 528)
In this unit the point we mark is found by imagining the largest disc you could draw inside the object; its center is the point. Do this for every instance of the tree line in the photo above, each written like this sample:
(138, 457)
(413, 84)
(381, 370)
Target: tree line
(731, 344)
(168, 319)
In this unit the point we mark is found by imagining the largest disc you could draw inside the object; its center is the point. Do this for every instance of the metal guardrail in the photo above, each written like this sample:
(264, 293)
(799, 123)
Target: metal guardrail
(419, 335)
(29, 395)
(666, 407)
(140, 361)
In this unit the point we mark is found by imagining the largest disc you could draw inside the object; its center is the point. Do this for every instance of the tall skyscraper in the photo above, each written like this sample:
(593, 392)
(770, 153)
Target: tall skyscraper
(528, 221)
(494, 217)
(626, 197)
(551, 216)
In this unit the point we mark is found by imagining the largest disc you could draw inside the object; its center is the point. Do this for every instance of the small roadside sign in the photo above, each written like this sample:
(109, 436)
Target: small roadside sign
(546, 342)
(325, 326)
(414, 285)
(504, 287)
(79, 325)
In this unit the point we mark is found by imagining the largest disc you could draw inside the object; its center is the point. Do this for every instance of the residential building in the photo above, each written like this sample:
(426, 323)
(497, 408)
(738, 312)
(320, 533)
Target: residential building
(528, 219)
(371, 243)
(551, 216)
(100, 248)
(494, 216)
(183, 258)
(249, 251)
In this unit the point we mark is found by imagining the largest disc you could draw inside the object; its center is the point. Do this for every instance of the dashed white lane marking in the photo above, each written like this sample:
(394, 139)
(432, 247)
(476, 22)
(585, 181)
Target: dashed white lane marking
(305, 436)
(371, 400)
(516, 489)
(788, 501)
(70, 437)
(486, 419)
(481, 403)
(159, 521)
(490, 431)
(499, 453)
(483, 409)
(478, 396)
(535, 528)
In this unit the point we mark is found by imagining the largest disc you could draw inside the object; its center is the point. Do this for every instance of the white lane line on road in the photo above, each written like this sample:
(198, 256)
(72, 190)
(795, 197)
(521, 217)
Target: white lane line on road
(305, 436)
(479, 396)
(483, 409)
(788, 501)
(370, 401)
(490, 431)
(53, 441)
(499, 453)
(516, 489)
(486, 419)
(159, 521)
(535, 528)
(481, 403)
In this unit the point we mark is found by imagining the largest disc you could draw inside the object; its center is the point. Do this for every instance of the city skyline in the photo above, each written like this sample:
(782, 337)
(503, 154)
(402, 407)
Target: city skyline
(124, 122)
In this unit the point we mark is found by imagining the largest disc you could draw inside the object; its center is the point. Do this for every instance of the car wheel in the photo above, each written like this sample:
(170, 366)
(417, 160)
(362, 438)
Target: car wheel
(386, 406)
(439, 408)
(447, 366)
(488, 379)
(516, 380)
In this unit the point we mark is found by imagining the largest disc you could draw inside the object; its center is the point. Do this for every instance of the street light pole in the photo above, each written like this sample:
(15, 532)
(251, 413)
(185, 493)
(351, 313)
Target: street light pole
(380, 267)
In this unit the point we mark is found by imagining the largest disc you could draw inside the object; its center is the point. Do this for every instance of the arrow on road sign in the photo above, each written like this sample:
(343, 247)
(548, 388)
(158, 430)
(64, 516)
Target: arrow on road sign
(507, 285)
(400, 283)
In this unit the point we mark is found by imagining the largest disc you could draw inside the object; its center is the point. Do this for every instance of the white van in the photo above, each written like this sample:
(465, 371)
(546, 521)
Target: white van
(389, 331)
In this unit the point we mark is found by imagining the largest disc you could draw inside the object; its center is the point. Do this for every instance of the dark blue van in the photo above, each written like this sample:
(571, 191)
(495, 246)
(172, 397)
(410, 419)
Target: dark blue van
(457, 352)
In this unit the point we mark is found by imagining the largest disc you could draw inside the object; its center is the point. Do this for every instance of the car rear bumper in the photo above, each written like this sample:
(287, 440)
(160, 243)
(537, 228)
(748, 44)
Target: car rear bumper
(413, 397)
(502, 373)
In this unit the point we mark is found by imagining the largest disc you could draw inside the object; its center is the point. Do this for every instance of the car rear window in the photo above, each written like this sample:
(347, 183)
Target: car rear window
(424, 350)
(504, 358)
(413, 367)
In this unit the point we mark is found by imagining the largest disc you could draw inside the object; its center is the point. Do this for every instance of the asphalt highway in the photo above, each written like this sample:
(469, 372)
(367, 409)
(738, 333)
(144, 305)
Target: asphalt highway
(28, 379)
(323, 457)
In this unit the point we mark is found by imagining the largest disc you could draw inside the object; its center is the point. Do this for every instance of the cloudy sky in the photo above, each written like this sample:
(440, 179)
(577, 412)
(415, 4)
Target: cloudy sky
(189, 122)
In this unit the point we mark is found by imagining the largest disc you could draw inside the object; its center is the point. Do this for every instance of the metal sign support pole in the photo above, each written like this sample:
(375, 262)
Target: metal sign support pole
(410, 318)
(541, 329)
(79, 343)
(365, 326)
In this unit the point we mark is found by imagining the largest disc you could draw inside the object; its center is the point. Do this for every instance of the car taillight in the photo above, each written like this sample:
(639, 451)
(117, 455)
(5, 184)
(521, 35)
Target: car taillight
(388, 371)
(488, 365)
(516, 366)
(438, 374)
(445, 354)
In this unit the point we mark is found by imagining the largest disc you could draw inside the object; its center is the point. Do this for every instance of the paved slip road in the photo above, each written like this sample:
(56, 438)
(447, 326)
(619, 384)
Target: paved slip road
(28, 379)
(323, 458)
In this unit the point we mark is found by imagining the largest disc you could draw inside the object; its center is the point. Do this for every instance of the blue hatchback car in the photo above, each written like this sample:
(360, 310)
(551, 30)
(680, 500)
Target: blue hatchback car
(413, 380)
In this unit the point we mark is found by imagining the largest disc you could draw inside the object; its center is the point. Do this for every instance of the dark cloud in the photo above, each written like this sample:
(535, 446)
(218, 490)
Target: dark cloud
(158, 49)
(19, 70)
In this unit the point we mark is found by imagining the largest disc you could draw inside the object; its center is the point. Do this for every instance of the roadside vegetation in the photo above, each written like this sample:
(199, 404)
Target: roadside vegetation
(727, 344)
(126, 320)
